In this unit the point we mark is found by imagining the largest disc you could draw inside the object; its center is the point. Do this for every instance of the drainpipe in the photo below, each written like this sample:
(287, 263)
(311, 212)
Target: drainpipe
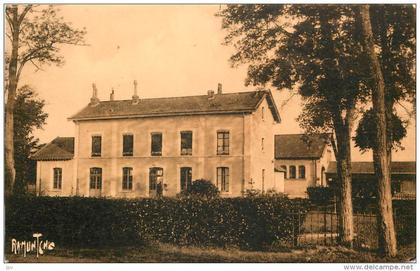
(243, 154)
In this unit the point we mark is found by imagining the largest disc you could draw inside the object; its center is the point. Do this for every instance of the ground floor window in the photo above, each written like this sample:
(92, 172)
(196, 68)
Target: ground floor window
(156, 181)
(95, 178)
(292, 172)
(223, 179)
(302, 172)
(127, 181)
(58, 175)
(186, 178)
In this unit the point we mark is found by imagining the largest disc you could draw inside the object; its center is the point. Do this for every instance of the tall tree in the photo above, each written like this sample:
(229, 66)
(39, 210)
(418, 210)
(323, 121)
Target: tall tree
(28, 115)
(393, 72)
(34, 34)
(394, 38)
(317, 49)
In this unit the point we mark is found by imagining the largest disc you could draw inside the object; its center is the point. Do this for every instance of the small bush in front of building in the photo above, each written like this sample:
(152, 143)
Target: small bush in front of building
(320, 195)
(202, 188)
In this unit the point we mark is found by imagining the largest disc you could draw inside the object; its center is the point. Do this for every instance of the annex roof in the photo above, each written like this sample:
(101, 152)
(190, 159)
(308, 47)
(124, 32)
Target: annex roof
(61, 148)
(397, 167)
(300, 146)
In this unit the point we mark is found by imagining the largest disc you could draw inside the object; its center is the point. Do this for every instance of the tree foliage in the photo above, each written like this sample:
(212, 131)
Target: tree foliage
(35, 34)
(42, 32)
(394, 34)
(366, 131)
(28, 115)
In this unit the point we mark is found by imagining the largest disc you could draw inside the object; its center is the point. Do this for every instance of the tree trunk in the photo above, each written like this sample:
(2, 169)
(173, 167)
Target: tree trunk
(346, 226)
(10, 173)
(380, 150)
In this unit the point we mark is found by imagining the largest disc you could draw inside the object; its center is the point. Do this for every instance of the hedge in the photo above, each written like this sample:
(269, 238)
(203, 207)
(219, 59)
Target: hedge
(247, 223)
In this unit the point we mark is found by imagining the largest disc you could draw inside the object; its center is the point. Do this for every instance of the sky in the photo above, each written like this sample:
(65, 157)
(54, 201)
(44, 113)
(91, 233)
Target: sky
(171, 50)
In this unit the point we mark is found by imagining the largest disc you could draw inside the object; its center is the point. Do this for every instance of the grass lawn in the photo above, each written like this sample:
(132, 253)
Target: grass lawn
(172, 254)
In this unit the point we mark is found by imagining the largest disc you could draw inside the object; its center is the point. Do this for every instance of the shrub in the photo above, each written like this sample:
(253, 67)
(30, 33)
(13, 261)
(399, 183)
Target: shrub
(320, 195)
(247, 223)
(203, 189)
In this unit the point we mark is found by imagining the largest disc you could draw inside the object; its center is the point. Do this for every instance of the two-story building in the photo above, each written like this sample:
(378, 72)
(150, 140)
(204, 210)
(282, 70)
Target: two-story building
(144, 147)
(302, 160)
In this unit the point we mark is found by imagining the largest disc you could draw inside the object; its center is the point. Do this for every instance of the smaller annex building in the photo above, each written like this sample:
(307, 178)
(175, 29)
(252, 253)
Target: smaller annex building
(303, 159)
(403, 179)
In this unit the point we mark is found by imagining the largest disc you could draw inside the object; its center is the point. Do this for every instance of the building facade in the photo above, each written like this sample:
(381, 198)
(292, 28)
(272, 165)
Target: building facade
(149, 147)
(303, 161)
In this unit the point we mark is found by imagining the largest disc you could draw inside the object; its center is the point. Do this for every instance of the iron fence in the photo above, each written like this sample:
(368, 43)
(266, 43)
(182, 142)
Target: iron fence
(320, 226)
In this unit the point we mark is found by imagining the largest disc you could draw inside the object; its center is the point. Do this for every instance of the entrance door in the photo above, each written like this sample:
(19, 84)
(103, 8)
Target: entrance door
(186, 178)
(95, 184)
(155, 182)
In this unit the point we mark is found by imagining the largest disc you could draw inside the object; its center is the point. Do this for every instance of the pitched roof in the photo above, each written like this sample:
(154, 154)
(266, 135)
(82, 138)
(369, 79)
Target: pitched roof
(299, 146)
(61, 148)
(367, 168)
(240, 102)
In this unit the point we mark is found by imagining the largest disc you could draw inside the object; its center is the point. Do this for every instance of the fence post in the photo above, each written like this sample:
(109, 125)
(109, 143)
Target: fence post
(325, 225)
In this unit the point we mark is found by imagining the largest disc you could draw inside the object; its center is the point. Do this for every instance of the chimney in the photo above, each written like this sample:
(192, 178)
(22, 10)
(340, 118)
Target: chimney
(219, 88)
(210, 94)
(111, 96)
(94, 100)
(135, 96)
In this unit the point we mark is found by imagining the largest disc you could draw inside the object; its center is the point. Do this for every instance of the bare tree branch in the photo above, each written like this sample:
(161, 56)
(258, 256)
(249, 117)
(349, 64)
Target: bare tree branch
(37, 67)
(23, 14)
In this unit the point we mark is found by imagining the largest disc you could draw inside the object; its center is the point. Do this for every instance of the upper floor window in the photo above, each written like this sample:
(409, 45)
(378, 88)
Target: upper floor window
(302, 173)
(186, 143)
(127, 181)
(223, 142)
(96, 146)
(262, 112)
(127, 145)
(95, 178)
(292, 172)
(156, 148)
(223, 179)
(58, 175)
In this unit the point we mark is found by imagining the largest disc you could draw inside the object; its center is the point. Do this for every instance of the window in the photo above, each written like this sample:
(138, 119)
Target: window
(292, 172)
(222, 142)
(223, 179)
(58, 175)
(128, 145)
(186, 143)
(322, 176)
(127, 181)
(262, 144)
(156, 144)
(95, 178)
(302, 172)
(96, 146)
(155, 180)
(262, 112)
(186, 178)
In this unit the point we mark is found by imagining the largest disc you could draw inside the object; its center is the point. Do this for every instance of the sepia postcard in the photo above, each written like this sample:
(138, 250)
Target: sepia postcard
(210, 133)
